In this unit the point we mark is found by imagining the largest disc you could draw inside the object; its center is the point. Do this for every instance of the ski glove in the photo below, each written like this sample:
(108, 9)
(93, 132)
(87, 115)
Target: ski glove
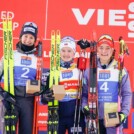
(86, 111)
(47, 96)
(7, 99)
(83, 44)
(122, 118)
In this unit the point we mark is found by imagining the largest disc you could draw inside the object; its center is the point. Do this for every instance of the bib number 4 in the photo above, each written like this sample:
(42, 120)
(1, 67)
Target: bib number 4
(104, 87)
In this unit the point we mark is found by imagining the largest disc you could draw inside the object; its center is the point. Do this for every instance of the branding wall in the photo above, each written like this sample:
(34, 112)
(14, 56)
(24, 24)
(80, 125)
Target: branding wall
(78, 19)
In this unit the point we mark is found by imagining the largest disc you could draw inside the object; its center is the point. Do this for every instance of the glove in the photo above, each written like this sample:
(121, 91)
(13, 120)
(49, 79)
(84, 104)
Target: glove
(122, 118)
(47, 96)
(83, 44)
(86, 111)
(8, 100)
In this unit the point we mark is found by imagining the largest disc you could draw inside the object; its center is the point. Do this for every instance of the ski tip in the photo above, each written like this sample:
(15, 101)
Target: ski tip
(120, 38)
(52, 32)
(40, 39)
(58, 32)
(94, 35)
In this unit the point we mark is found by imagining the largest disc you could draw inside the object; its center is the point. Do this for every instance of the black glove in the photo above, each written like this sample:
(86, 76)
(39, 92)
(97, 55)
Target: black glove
(122, 118)
(86, 111)
(83, 44)
(47, 96)
(7, 99)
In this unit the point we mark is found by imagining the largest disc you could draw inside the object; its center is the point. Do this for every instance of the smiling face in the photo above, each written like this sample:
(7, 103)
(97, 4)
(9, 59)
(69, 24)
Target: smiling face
(105, 53)
(67, 54)
(28, 39)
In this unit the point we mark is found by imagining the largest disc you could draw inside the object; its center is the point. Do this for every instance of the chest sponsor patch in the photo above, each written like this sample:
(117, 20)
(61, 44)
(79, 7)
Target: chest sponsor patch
(67, 74)
(25, 60)
(104, 74)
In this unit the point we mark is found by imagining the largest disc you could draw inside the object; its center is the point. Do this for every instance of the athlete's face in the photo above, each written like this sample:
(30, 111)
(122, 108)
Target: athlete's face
(27, 39)
(67, 54)
(105, 53)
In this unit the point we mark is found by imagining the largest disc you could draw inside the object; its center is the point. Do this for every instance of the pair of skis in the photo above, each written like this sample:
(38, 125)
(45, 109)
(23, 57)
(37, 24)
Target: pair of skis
(92, 119)
(92, 122)
(55, 58)
(8, 56)
(53, 117)
(10, 116)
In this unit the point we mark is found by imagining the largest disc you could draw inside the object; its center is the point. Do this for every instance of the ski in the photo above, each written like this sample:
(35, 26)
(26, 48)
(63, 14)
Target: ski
(57, 54)
(36, 99)
(52, 60)
(123, 49)
(5, 51)
(11, 60)
(54, 80)
(40, 110)
(92, 121)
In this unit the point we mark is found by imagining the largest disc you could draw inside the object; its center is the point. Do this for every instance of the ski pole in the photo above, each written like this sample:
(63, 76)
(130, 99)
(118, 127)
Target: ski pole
(82, 69)
(81, 66)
